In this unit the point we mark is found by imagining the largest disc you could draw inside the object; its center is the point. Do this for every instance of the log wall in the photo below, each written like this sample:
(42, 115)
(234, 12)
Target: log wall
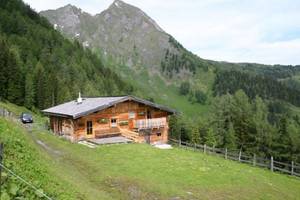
(124, 113)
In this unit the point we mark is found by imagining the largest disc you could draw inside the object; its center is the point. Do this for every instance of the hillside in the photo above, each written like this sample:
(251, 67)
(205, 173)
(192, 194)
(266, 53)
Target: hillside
(40, 68)
(132, 171)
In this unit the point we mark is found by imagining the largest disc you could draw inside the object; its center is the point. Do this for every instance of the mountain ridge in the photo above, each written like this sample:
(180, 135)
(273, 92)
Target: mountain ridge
(122, 31)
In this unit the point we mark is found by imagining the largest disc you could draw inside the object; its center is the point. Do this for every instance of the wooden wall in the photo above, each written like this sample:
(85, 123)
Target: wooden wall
(62, 126)
(120, 112)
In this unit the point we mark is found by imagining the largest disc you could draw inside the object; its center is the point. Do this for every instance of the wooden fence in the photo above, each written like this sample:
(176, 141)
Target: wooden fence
(292, 168)
(6, 113)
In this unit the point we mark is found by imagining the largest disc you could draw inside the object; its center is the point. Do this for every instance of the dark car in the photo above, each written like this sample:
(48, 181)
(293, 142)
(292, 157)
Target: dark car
(26, 118)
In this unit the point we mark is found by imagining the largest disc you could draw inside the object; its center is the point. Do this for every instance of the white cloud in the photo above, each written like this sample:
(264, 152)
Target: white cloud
(232, 30)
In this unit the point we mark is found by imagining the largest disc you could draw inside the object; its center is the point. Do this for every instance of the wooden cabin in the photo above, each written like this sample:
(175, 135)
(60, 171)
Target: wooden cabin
(134, 118)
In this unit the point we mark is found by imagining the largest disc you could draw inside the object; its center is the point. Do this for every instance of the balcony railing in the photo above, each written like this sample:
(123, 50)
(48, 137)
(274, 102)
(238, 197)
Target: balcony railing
(150, 123)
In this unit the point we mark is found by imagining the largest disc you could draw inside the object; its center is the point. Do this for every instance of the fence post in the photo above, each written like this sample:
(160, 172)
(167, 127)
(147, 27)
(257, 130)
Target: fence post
(254, 160)
(272, 164)
(194, 146)
(225, 153)
(240, 155)
(213, 149)
(1, 162)
(179, 142)
(292, 170)
(204, 148)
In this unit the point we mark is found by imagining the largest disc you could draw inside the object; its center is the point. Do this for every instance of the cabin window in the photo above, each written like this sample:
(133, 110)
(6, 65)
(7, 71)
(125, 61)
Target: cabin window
(103, 121)
(158, 134)
(113, 122)
(89, 127)
(131, 115)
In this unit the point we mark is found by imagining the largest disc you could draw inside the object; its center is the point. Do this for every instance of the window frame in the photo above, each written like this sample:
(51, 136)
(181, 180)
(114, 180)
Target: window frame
(113, 124)
(131, 115)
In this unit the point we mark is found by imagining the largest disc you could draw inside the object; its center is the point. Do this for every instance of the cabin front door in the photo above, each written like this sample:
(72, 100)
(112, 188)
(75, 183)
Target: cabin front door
(89, 129)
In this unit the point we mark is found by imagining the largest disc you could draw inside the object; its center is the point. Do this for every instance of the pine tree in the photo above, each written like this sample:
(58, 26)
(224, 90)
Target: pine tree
(230, 138)
(15, 82)
(195, 135)
(184, 88)
(174, 125)
(242, 119)
(283, 144)
(4, 53)
(293, 130)
(222, 114)
(264, 130)
(210, 138)
(29, 91)
(40, 86)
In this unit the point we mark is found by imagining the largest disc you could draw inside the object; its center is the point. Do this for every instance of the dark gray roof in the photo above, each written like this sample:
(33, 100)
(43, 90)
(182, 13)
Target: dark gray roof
(75, 110)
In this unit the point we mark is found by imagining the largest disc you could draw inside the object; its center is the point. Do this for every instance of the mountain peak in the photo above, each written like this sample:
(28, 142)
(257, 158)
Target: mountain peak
(122, 30)
(118, 3)
(133, 14)
(68, 7)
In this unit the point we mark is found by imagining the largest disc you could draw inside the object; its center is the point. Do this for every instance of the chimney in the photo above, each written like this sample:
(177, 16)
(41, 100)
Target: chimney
(79, 99)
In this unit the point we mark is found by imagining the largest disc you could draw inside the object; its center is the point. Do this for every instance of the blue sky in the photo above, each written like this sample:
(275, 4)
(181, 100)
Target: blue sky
(261, 31)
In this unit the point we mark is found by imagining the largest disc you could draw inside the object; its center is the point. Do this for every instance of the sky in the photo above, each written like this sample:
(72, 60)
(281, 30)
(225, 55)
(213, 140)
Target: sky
(260, 31)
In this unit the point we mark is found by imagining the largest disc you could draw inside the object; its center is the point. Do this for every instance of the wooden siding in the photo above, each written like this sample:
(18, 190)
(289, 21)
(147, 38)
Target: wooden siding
(125, 114)
(62, 126)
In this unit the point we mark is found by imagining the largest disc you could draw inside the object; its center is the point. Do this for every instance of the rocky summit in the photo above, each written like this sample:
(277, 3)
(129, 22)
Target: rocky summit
(122, 31)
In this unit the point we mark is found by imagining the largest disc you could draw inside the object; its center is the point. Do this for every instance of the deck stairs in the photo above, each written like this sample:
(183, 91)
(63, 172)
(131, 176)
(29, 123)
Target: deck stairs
(130, 134)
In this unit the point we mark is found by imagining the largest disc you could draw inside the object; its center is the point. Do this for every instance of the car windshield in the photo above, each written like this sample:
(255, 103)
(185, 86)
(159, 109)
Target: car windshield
(25, 115)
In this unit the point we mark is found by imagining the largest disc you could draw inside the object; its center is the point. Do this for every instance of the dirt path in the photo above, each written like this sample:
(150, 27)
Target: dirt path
(29, 129)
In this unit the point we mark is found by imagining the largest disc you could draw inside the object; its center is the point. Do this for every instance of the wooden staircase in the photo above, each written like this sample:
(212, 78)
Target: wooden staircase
(130, 135)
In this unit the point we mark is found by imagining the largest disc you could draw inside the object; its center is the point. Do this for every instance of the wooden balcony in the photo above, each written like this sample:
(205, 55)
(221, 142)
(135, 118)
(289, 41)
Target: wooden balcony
(150, 123)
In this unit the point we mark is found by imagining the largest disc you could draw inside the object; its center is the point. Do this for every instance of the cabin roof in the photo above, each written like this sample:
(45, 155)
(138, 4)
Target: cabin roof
(75, 109)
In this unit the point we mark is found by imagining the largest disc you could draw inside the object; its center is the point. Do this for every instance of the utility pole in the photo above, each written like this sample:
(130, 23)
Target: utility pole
(1, 163)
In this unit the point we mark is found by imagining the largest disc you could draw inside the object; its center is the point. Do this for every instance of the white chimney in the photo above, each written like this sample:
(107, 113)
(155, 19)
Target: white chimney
(79, 99)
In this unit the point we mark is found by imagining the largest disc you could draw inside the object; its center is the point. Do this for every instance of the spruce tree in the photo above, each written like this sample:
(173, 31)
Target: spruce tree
(29, 91)
(264, 130)
(210, 138)
(230, 138)
(283, 144)
(15, 84)
(40, 86)
(195, 135)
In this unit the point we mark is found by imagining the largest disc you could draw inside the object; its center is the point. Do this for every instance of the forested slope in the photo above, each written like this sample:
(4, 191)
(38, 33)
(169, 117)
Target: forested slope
(40, 68)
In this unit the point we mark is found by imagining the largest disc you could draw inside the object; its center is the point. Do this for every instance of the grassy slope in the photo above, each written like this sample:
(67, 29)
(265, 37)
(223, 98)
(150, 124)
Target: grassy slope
(26, 159)
(139, 171)
(167, 93)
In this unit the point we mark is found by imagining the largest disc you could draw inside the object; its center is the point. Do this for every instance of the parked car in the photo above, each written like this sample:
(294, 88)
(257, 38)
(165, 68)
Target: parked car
(26, 118)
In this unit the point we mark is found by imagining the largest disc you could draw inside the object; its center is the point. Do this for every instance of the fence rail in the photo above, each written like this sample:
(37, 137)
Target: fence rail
(292, 168)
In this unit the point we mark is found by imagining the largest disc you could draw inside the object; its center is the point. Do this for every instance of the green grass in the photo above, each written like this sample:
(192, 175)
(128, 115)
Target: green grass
(140, 171)
(166, 92)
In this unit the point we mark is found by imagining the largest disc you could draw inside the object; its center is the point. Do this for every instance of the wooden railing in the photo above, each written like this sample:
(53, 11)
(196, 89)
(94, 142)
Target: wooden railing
(150, 123)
